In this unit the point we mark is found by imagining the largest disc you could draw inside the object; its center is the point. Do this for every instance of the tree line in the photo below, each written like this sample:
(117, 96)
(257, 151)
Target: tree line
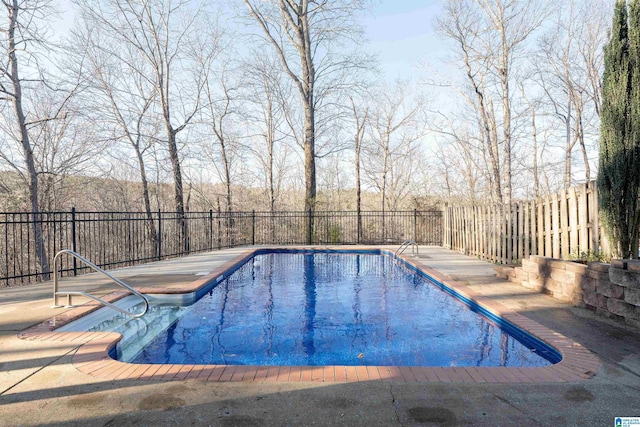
(529, 90)
(279, 104)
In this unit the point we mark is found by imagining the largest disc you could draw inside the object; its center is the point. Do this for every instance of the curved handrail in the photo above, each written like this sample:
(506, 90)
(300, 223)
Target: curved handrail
(405, 245)
(56, 293)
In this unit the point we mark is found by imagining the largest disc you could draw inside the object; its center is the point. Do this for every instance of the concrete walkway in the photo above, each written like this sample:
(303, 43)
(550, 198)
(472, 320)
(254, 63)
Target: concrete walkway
(40, 386)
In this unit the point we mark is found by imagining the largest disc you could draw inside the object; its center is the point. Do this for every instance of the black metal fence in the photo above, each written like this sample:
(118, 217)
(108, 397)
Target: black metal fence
(117, 239)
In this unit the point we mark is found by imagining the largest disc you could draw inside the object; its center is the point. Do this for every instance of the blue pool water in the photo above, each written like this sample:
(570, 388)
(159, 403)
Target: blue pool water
(314, 308)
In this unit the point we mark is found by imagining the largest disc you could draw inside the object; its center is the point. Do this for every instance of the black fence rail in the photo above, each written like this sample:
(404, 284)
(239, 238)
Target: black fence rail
(118, 239)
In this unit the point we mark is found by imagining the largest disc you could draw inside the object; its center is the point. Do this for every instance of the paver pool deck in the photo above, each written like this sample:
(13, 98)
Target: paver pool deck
(49, 380)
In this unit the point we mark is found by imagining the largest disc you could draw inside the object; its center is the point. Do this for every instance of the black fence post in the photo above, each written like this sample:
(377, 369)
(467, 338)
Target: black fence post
(210, 229)
(310, 227)
(74, 246)
(219, 228)
(253, 227)
(228, 225)
(415, 225)
(159, 248)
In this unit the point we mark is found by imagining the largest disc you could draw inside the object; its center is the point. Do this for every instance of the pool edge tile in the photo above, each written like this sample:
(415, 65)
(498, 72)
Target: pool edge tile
(283, 373)
(340, 374)
(92, 355)
(352, 375)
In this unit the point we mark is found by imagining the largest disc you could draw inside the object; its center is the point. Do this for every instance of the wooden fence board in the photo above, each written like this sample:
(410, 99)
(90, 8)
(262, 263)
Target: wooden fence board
(564, 225)
(573, 222)
(508, 233)
(548, 236)
(555, 225)
(540, 227)
(533, 232)
(583, 218)
(524, 234)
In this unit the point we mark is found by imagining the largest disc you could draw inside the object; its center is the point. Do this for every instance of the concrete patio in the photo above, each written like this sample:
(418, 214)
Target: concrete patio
(39, 385)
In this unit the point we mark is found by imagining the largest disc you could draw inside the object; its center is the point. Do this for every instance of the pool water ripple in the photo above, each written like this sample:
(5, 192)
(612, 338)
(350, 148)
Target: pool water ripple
(315, 309)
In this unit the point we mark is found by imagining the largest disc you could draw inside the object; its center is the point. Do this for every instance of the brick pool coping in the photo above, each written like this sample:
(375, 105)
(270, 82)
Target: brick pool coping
(92, 356)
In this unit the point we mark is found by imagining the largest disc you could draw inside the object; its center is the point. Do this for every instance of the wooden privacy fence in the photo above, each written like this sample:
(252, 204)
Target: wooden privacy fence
(560, 225)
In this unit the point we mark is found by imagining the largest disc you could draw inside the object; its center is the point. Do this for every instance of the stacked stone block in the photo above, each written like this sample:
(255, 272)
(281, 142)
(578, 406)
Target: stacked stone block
(612, 290)
(625, 274)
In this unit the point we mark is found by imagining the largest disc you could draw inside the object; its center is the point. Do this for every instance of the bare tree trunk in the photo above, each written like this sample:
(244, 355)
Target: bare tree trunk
(218, 129)
(309, 158)
(157, 34)
(178, 194)
(536, 176)
(270, 172)
(570, 68)
(358, 193)
(487, 126)
(491, 133)
(570, 103)
(151, 228)
(579, 132)
(569, 145)
(226, 164)
(457, 28)
(295, 18)
(360, 123)
(161, 61)
(383, 179)
(270, 160)
(308, 90)
(504, 72)
(227, 175)
(13, 9)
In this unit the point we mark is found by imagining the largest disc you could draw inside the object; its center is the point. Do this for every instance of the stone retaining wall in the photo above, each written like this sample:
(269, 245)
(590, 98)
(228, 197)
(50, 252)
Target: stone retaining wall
(612, 290)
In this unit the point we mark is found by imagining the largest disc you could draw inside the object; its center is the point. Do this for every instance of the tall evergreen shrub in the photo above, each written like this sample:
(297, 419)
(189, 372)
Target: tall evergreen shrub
(619, 167)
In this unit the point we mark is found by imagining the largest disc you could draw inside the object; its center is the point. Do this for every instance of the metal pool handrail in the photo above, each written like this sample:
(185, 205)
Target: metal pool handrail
(405, 245)
(57, 293)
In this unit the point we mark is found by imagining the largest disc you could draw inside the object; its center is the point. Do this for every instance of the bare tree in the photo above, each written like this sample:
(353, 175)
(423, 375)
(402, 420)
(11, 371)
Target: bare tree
(160, 33)
(306, 36)
(568, 59)
(459, 25)
(462, 159)
(24, 40)
(269, 94)
(533, 106)
(395, 129)
(63, 147)
(489, 36)
(333, 184)
(459, 177)
(595, 16)
(219, 110)
(121, 98)
(360, 117)
(221, 83)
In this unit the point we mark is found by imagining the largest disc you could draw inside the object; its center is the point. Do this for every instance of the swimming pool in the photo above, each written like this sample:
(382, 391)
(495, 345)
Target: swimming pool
(318, 308)
(96, 351)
